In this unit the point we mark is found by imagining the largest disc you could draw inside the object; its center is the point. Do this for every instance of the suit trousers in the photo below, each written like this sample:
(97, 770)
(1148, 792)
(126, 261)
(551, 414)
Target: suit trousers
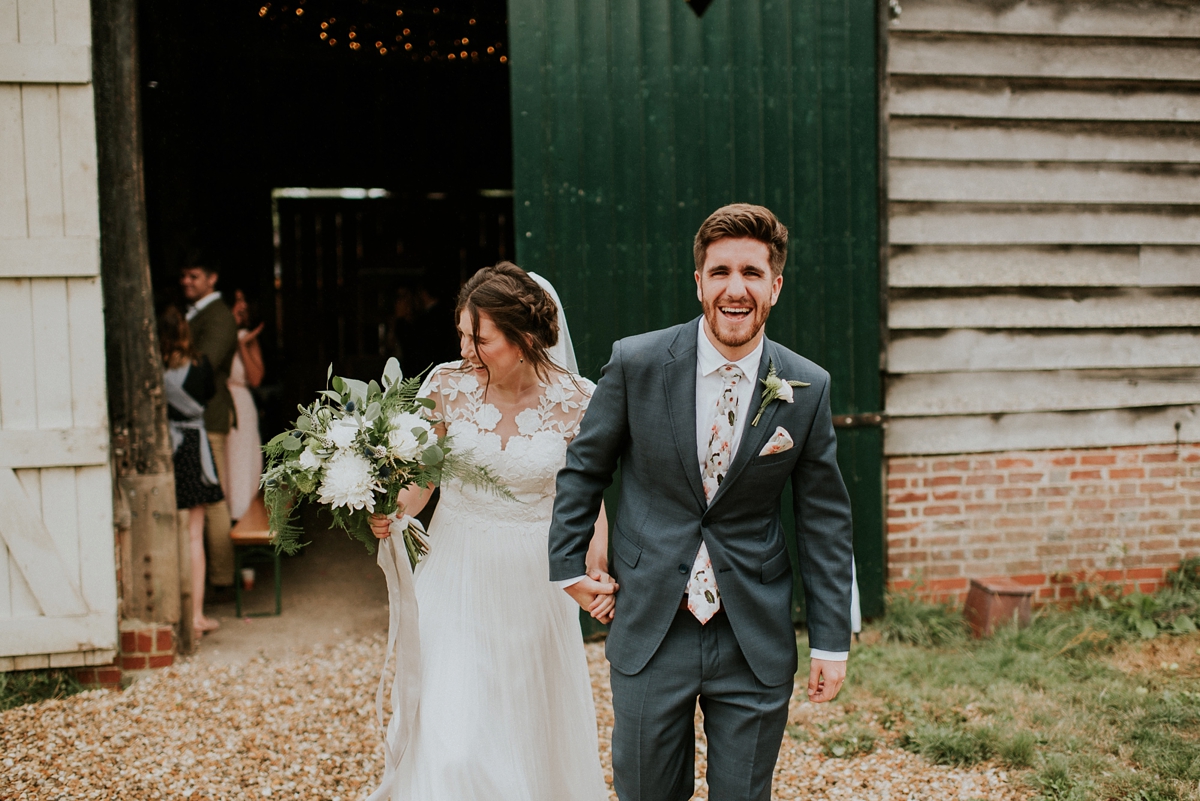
(653, 740)
(219, 557)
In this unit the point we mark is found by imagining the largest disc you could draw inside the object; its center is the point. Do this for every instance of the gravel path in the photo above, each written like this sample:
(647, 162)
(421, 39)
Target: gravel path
(303, 727)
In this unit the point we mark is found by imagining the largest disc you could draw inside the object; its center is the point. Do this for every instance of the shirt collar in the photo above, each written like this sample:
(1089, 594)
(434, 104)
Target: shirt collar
(710, 359)
(211, 297)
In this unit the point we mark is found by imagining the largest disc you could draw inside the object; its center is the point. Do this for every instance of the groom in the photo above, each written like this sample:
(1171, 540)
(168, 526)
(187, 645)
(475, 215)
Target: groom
(707, 421)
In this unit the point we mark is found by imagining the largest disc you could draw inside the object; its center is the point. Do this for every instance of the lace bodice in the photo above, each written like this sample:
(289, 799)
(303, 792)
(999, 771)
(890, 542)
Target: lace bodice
(529, 460)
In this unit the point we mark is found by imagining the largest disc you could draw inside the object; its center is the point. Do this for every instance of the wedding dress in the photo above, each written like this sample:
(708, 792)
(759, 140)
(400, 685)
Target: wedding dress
(506, 708)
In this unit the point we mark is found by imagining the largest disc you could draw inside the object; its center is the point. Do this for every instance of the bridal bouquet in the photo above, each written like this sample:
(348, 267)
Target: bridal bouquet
(352, 450)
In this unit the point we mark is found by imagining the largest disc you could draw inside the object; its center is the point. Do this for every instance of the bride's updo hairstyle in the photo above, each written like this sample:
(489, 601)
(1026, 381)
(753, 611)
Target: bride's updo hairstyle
(522, 311)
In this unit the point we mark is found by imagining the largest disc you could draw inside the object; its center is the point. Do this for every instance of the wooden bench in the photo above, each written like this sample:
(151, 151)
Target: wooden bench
(253, 543)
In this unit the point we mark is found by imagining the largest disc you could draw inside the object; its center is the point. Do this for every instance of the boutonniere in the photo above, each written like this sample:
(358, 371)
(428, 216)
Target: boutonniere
(775, 388)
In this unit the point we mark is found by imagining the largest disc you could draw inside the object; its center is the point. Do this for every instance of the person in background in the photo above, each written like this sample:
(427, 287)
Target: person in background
(243, 446)
(189, 385)
(214, 334)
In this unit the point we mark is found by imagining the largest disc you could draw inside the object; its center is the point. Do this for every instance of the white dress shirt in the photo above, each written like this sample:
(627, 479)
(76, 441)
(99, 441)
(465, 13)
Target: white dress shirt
(199, 305)
(709, 386)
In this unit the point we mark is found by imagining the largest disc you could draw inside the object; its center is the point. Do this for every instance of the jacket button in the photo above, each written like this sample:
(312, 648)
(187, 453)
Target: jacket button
(683, 569)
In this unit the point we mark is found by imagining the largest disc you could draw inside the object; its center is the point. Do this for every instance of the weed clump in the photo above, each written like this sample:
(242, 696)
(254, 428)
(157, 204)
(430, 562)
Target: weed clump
(30, 686)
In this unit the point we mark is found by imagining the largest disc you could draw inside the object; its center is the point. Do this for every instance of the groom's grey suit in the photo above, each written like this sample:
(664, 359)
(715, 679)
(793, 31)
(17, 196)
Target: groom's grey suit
(643, 417)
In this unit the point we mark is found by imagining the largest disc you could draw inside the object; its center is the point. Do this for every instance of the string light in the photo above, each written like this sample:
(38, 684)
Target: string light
(378, 22)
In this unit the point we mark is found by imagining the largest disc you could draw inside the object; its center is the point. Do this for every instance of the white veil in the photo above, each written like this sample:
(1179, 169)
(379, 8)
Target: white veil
(563, 353)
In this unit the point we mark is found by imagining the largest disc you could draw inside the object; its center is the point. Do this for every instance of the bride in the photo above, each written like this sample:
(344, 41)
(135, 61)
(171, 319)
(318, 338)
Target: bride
(505, 708)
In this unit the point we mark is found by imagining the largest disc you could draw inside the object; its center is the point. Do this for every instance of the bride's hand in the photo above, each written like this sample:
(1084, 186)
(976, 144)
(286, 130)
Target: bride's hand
(381, 526)
(603, 606)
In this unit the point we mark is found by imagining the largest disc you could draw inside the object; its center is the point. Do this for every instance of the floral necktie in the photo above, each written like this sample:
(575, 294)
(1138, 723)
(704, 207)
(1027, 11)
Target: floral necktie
(704, 599)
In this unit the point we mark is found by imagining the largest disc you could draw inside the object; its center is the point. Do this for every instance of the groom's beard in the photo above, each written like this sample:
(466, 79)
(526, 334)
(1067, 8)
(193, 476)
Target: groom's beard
(728, 335)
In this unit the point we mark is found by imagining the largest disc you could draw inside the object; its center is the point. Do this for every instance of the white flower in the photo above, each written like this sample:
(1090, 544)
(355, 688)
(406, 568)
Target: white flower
(402, 442)
(487, 416)
(785, 392)
(343, 432)
(529, 422)
(309, 459)
(349, 482)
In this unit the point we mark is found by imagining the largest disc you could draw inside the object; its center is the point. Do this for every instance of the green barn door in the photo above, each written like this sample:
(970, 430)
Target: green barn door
(634, 119)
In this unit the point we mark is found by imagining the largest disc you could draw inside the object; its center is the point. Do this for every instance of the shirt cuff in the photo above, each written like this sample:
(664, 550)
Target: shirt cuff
(829, 656)
(562, 585)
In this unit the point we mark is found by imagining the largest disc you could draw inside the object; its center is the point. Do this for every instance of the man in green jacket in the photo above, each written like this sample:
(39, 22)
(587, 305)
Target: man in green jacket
(214, 334)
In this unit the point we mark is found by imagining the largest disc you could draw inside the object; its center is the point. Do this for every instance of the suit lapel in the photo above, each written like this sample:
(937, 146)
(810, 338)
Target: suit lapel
(679, 383)
(753, 437)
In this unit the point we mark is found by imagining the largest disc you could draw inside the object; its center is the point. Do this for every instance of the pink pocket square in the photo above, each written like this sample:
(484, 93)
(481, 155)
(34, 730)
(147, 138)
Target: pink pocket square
(779, 442)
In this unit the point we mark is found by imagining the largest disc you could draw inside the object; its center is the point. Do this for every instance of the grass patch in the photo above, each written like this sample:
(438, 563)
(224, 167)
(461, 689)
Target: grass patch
(850, 742)
(1047, 701)
(30, 686)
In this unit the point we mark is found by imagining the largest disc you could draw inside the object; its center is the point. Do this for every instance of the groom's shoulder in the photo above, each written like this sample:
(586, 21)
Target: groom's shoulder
(650, 344)
(795, 367)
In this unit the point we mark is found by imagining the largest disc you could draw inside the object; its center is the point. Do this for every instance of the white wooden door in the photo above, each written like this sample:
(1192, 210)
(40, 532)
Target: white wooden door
(58, 596)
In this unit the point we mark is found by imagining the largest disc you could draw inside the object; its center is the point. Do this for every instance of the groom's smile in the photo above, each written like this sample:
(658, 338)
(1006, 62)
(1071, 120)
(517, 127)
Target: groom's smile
(737, 290)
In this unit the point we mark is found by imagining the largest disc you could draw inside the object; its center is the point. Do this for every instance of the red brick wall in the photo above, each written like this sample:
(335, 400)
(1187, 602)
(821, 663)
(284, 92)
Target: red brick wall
(1043, 518)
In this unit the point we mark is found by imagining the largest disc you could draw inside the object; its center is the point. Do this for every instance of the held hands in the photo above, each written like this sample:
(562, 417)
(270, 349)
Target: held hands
(596, 594)
(381, 526)
(825, 680)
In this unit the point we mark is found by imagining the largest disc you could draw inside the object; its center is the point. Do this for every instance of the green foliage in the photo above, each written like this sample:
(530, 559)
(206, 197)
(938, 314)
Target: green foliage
(30, 686)
(912, 620)
(1043, 699)
(850, 742)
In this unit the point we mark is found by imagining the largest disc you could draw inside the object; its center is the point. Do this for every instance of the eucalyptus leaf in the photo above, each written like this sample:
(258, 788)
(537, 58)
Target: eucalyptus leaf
(291, 443)
(373, 412)
(373, 390)
(304, 424)
(329, 372)
(428, 403)
(278, 439)
(356, 388)
(333, 396)
(421, 434)
(432, 456)
(391, 372)
(339, 383)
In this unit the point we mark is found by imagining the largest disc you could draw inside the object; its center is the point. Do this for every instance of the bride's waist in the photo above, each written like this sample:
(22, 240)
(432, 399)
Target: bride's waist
(488, 507)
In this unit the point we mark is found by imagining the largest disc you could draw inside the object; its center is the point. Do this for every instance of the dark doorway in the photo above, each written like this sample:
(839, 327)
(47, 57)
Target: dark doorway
(244, 99)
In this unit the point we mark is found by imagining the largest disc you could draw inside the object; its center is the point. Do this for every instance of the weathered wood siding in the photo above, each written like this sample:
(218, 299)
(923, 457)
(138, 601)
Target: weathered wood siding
(57, 572)
(1043, 183)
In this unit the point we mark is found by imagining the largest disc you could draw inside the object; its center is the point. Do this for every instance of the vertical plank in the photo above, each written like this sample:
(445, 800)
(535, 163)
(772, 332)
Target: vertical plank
(747, 104)
(86, 343)
(596, 178)
(658, 140)
(43, 160)
(35, 21)
(60, 513)
(13, 212)
(6, 601)
(8, 22)
(51, 352)
(24, 603)
(17, 368)
(81, 201)
(687, 45)
(629, 174)
(72, 22)
(98, 574)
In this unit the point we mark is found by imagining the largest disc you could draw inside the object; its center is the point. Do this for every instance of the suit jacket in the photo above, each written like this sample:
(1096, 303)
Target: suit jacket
(214, 334)
(643, 417)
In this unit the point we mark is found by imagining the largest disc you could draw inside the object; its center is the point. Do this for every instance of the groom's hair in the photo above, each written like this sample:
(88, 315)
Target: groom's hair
(743, 221)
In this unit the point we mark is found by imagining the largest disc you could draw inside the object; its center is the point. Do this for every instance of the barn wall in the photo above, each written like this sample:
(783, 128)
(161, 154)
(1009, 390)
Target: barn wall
(1043, 278)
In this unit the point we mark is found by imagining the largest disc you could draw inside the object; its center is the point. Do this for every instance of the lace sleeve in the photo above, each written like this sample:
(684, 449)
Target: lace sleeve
(583, 389)
(436, 389)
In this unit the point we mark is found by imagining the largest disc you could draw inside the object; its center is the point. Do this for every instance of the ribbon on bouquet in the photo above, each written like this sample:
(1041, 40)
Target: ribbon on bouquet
(404, 643)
